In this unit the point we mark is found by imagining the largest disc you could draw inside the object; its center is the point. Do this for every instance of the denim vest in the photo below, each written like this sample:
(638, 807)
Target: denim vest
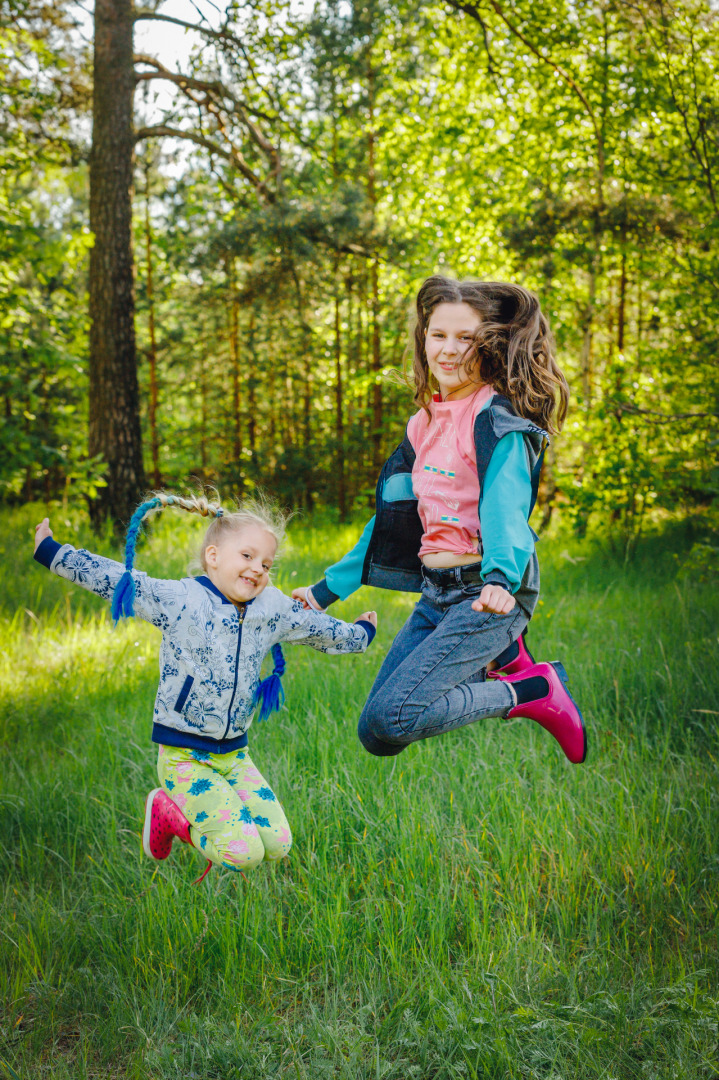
(391, 559)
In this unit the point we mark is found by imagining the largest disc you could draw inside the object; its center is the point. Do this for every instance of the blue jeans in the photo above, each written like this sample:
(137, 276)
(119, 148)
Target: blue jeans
(433, 678)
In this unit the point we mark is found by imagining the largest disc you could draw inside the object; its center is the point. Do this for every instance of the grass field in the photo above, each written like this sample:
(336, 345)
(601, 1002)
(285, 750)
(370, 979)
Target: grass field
(476, 907)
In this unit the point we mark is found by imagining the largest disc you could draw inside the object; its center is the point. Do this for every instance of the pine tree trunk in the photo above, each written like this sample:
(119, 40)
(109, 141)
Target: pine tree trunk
(376, 363)
(114, 396)
(252, 388)
(339, 407)
(152, 355)
(622, 311)
(234, 360)
(204, 416)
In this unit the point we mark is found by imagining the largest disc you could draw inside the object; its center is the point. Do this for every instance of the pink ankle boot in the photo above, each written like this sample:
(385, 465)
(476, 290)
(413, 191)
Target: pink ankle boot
(557, 711)
(163, 822)
(523, 660)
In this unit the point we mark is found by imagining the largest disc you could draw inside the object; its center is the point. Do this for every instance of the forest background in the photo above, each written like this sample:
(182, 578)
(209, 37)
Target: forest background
(214, 220)
(294, 172)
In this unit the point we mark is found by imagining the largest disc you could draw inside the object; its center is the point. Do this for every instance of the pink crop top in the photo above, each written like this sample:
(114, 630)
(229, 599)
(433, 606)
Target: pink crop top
(444, 476)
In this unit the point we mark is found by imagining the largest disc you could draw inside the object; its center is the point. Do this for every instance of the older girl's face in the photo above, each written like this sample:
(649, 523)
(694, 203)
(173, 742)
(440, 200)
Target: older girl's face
(449, 341)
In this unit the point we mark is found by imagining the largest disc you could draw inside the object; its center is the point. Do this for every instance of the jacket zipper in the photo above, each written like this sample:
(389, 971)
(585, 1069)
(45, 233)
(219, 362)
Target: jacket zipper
(241, 619)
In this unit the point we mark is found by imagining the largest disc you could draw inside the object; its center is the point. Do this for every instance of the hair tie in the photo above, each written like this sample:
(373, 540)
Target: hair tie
(270, 695)
(123, 598)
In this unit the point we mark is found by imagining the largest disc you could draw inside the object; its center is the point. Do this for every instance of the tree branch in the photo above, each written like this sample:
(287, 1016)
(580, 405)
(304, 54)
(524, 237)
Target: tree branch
(473, 12)
(232, 155)
(659, 417)
(215, 87)
(665, 48)
(214, 93)
(224, 36)
(142, 15)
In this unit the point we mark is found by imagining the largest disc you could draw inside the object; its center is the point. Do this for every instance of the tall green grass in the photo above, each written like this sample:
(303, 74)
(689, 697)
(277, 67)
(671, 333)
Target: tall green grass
(476, 907)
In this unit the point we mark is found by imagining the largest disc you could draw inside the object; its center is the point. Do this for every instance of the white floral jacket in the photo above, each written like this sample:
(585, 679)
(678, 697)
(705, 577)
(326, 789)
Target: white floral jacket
(211, 651)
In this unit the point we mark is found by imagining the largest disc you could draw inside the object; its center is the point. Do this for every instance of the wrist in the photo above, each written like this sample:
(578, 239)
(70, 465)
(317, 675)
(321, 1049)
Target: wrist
(369, 628)
(46, 551)
(496, 577)
(311, 600)
(323, 595)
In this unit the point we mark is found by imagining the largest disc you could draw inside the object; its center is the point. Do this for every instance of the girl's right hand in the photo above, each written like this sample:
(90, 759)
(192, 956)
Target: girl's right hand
(301, 595)
(42, 531)
(495, 599)
(368, 616)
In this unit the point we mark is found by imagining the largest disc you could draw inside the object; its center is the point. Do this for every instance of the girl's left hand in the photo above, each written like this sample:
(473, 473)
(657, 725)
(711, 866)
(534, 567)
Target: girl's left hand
(42, 531)
(368, 616)
(495, 599)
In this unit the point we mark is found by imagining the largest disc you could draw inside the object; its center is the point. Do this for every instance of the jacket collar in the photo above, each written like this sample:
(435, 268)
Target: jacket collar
(211, 587)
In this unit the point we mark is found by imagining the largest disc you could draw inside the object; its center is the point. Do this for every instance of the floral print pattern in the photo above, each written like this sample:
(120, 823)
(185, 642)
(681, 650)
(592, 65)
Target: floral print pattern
(208, 641)
(221, 799)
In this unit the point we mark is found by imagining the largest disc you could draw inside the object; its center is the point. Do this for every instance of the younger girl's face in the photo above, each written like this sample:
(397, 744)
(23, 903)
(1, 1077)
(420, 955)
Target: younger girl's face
(239, 565)
(448, 343)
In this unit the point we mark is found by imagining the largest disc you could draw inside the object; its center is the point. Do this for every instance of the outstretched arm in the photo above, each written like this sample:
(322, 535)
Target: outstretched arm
(156, 600)
(323, 632)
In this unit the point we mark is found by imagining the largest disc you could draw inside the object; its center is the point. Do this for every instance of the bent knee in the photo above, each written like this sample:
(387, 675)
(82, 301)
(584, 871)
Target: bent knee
(239, 863)
(371, 739)
(276, 847)
(241, 853)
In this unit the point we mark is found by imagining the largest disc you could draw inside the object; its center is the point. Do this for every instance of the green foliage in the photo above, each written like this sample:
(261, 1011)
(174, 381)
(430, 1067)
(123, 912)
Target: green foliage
(571, 148)
(701, 564)
(43, 321)
(477, 907)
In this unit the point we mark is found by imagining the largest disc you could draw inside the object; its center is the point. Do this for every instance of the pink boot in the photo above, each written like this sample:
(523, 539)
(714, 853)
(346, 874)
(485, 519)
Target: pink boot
(163, 822)
(556, 711)
(523, 660)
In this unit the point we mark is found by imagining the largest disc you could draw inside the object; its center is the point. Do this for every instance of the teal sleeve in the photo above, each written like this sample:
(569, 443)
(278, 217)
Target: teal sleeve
(344, 577)
(507, 540)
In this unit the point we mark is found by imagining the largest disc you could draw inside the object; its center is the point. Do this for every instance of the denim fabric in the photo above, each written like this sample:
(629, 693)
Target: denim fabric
(433, 677)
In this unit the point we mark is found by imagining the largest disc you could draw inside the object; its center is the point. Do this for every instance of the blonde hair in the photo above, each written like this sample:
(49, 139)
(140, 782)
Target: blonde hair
(260, 511)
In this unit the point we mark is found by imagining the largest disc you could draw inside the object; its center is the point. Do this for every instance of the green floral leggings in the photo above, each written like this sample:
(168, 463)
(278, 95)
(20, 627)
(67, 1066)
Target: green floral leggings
(234, 815)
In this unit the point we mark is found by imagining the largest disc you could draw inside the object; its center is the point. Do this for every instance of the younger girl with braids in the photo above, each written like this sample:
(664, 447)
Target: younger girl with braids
(452, 509)
(216, 630)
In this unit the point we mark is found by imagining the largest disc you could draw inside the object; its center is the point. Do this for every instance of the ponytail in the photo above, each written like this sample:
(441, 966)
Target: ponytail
(123, 598)
(270, 695)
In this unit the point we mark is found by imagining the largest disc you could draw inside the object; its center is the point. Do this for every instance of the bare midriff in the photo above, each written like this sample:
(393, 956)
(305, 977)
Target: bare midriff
(444, 560)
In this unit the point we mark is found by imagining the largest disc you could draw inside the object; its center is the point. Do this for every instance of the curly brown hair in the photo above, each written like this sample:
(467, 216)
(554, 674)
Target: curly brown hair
(513, 350)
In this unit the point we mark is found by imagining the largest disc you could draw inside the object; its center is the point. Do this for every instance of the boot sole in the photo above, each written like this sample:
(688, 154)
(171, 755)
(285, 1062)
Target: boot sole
(561, 672)
(148, 825)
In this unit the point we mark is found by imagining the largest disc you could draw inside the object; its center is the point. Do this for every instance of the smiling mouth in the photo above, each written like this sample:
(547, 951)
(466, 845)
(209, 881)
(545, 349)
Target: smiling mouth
(247, 581)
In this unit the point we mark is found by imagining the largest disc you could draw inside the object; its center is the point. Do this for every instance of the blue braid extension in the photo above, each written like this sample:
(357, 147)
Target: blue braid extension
(123, 598)
(270, 695)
